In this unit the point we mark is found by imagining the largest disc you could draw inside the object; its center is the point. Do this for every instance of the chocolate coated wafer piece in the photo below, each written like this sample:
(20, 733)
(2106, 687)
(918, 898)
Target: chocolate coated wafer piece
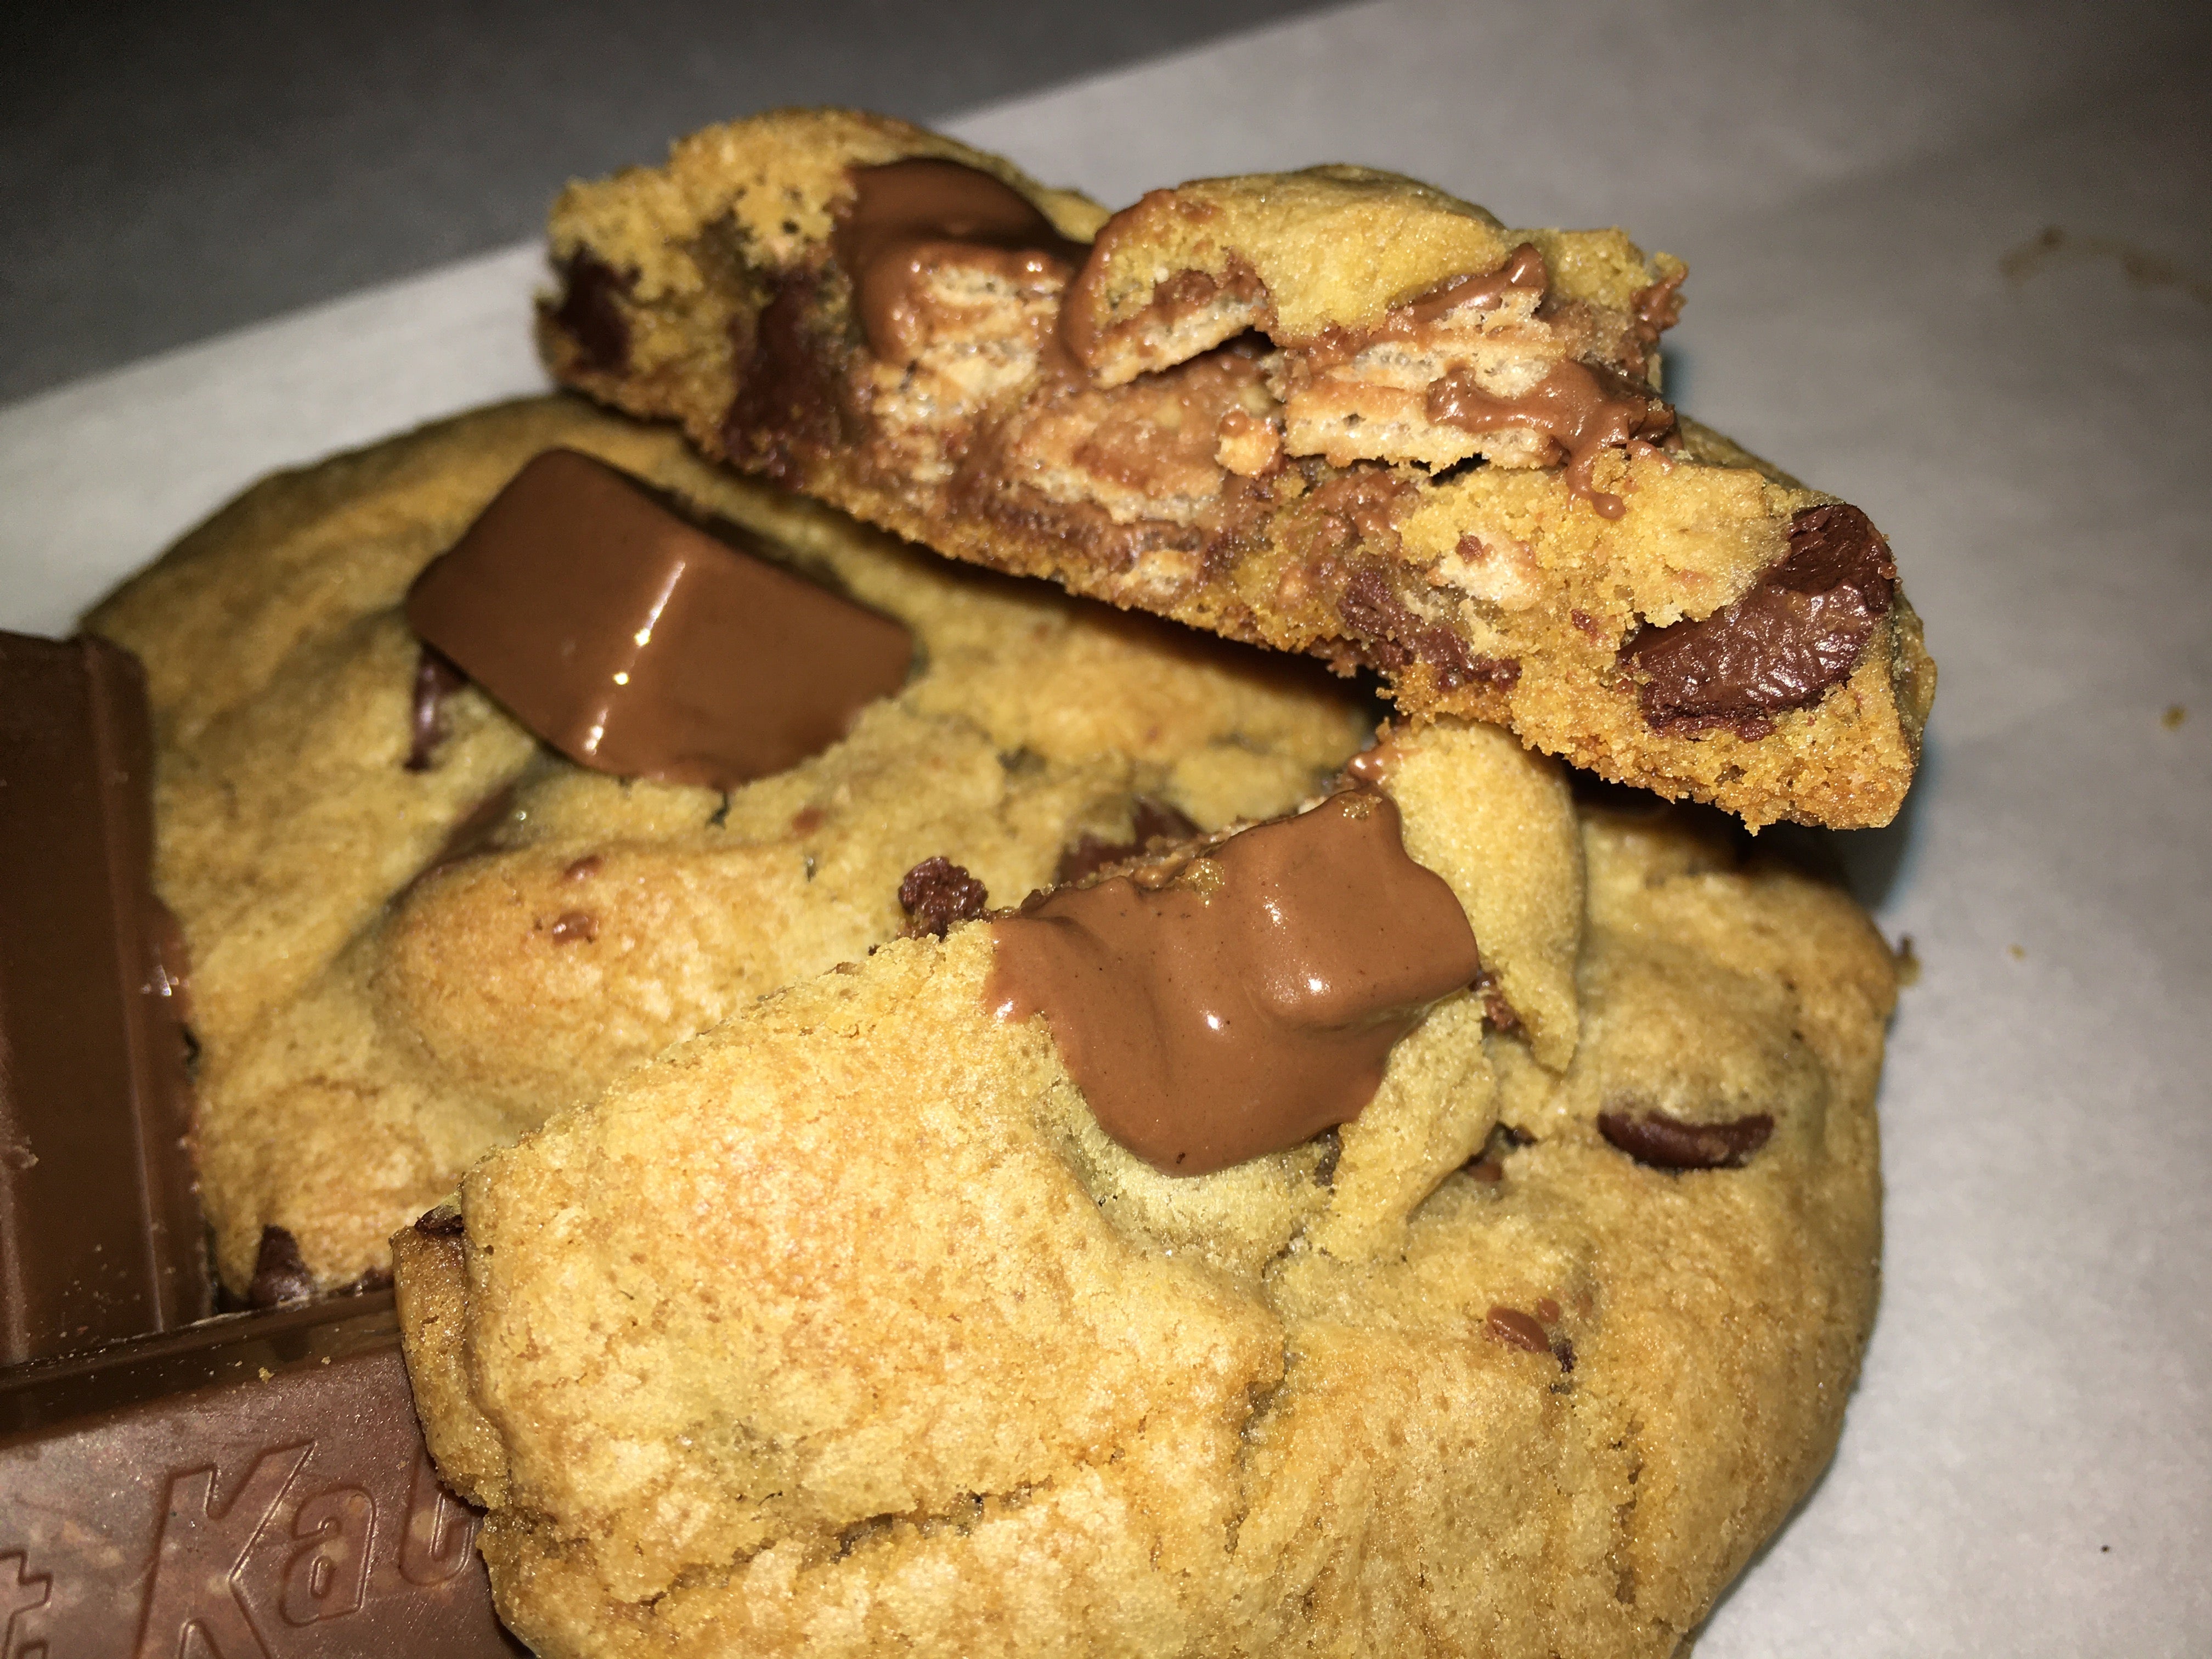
(100, 1234)
(256, 1486)
(636, 643)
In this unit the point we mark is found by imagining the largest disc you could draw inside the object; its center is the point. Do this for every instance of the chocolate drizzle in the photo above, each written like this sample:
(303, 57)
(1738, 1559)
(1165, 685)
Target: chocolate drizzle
(1242, 1000)
(1799, 630)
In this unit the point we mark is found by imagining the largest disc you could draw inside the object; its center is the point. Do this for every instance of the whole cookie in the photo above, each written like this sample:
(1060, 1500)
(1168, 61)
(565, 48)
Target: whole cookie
(397, 967)
(842, 1329)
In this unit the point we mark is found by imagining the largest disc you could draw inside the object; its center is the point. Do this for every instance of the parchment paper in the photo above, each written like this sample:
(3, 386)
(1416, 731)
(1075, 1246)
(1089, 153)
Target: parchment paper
(1954, 265)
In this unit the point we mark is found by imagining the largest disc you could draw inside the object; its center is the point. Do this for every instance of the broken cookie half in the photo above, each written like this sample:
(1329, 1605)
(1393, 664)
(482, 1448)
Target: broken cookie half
(1334, 411)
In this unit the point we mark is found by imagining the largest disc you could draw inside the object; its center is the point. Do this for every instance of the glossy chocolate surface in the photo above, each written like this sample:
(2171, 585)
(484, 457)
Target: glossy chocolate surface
(255, 1487)
(1241, 1001)
(638, 644)
(1797, 631)
(99, 1232)
(909, 217)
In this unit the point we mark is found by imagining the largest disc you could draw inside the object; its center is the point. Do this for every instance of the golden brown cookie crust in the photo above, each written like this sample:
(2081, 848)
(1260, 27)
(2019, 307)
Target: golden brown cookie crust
(1162, 473)
(914, 1376)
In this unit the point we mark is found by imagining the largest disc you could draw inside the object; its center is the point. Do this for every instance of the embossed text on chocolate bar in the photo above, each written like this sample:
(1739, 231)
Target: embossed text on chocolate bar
(636, 643)
(1248, 1000)
(100, 1234)
(254, 1487)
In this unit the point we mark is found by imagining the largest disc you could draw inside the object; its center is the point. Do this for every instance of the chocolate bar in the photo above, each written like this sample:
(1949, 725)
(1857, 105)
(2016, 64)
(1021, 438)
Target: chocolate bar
(638, 644)
(100, 1233)
(254, 1487)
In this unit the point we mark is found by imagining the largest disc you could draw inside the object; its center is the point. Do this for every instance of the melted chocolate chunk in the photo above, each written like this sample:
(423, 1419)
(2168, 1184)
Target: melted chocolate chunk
(443, 1222)
(1668, 1143)
(1246, 1000)
(1798, 631)
(637, 644)
(1394, 637)
(280, 1272)
(436, 680)
(1584, 409)
(935, 894)
(909, 218)
(1151, 821)
(589, 315)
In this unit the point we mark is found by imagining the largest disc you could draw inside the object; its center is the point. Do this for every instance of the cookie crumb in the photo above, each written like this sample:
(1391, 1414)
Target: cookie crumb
(2175, 713)
(1908, 961)
(2018, 955)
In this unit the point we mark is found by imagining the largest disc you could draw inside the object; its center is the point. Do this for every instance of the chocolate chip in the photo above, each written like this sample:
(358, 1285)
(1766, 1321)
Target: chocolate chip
(788, 408)
(1151, 821)
(279, 1272)
(1798, 631)
(1668, 1143)
(1394, 637)
(574, 924)
(935, 894)
(589, 314)
(443, 1222)
(1495, 1008)
(1516, 1330)
(1563, 1351)
(583, 868)
(436, 680)
(1331, 1151)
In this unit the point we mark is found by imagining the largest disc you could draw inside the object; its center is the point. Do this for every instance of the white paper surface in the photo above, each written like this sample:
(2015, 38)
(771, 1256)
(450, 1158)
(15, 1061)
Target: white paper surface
(2028, 1465)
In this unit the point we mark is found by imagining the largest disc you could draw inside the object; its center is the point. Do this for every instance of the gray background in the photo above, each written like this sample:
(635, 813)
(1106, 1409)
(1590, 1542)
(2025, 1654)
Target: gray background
(170, 172)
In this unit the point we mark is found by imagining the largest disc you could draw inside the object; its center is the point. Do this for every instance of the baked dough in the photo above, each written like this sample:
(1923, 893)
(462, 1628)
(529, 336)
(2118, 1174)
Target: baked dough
(374, 1013)
(840, 1329)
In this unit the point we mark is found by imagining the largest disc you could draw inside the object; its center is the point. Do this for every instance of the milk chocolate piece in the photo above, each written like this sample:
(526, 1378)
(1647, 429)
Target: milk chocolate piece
(1668, 1143)
(256, 1486)
(100, 1233)
(1248, 1000)
(1797, 631)
(909, 218)
(636, 643)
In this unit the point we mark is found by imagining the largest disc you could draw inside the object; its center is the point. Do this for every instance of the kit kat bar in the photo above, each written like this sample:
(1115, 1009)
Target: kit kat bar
(99, 1232)
(254, 1485)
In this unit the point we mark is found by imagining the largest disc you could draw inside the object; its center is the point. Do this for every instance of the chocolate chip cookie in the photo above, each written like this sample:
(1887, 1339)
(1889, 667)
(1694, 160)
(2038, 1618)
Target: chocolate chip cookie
(416, 930)
(1334, 411)
(850, 1328)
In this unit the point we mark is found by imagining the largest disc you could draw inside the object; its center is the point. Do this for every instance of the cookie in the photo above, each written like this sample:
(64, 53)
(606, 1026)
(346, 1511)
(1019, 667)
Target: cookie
(844, 1329)
(1336, 412)
(396, 967)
